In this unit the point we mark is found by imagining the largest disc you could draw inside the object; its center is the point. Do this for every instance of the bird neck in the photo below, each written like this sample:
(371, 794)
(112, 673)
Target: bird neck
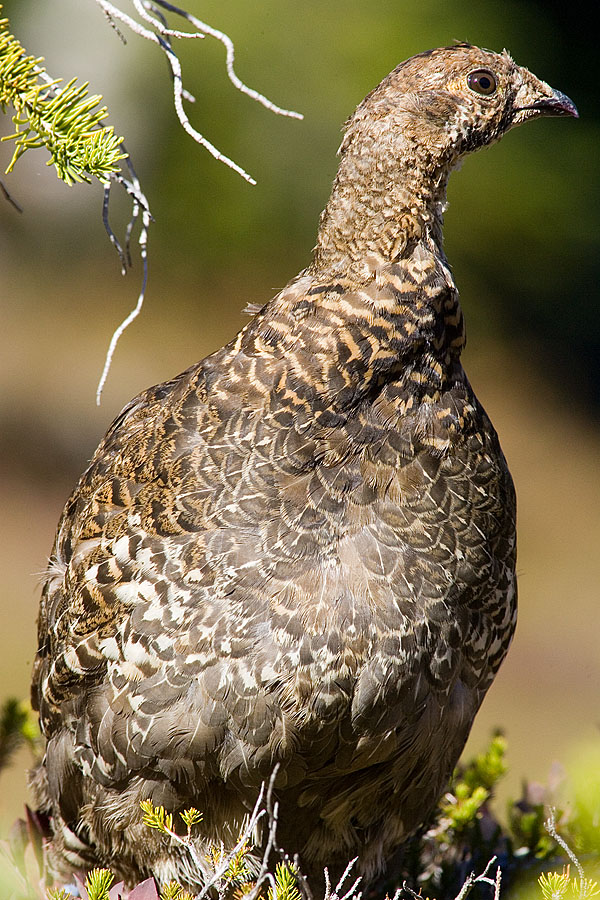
(381, 205)
(377, 305)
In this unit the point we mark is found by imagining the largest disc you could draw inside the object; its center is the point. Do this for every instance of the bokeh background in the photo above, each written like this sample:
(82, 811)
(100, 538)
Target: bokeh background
(522, 236)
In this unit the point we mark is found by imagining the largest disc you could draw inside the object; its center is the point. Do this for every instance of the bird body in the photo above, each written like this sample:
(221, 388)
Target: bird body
(300, 551)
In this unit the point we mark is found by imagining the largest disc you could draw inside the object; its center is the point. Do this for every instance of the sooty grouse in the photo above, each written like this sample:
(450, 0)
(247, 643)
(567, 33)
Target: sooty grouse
(302, 549)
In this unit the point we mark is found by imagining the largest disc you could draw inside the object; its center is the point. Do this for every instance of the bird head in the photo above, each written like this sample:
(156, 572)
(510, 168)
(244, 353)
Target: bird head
(450, 101)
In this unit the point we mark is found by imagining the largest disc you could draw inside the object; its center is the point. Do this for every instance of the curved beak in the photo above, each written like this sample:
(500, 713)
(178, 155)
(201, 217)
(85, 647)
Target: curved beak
(558, 104)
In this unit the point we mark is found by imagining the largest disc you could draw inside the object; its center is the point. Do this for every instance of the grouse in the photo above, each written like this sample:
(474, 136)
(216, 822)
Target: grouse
(300, 553)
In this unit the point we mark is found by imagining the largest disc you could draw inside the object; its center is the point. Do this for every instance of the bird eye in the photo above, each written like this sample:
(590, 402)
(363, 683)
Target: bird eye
(482, 81)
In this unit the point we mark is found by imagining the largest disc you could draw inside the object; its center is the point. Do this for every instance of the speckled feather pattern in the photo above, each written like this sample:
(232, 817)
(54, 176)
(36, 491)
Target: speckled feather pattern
(302, 549)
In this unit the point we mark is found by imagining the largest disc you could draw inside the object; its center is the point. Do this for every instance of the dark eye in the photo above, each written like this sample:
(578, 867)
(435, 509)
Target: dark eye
(482, 81)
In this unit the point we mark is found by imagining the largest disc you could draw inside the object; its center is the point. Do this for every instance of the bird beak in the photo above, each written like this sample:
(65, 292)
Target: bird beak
(536, 98)
(556, 105)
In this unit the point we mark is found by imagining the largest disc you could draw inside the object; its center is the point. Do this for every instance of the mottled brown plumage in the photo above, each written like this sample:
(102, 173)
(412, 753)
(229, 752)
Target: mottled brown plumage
(301, 550)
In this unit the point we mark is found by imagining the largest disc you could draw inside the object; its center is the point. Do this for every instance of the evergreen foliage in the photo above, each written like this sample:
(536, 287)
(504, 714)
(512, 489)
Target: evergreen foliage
(64, 120)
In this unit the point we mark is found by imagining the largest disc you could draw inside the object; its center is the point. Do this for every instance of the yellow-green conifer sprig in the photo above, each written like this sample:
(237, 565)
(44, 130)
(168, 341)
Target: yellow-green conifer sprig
(156, 817)
(66, 121)
(98, 883)
(286, 883)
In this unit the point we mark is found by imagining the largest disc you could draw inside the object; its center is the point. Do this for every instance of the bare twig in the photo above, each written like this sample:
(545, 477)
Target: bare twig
(230, 50)
(301, 878)
(479, 879)
(161, 23)
(497, 883)
(351, 891)
(258, 813)
(125, 262)
(187, 125)
(160, 35)
(149, 12)
(550, 825)
(336, 893)
(113, 12)
(272, 810)
(115, 27)
(472, 880)
(139, 202)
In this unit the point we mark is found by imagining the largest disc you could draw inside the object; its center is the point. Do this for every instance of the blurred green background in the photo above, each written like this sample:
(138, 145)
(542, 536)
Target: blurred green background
(522, 236)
